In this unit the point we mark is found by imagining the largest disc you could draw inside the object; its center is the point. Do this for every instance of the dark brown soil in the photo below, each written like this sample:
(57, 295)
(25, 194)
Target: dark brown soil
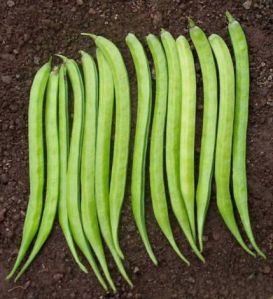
(30, 32)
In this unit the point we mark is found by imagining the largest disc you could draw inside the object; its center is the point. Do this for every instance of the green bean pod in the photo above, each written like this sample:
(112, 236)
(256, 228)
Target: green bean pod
(64, 149)
(122, 132)
(224, 136)
(88, 200)
(141, 138)
(157, 185)
(52, 184)
(173, 138)
(36, 162)
(209, 78)
(240, 49)
(106, 98)
(74, 166)
(187, 131)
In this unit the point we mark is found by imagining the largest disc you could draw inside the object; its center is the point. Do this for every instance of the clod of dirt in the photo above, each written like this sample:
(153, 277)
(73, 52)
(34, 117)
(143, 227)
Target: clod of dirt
(247, 4)
(157, 19)
(57, 276)
(4, 178)
(6, 79)
(80, 2)
(10, 3)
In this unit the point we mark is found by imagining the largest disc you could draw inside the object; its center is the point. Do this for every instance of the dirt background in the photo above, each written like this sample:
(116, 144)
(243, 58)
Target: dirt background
(31, 31)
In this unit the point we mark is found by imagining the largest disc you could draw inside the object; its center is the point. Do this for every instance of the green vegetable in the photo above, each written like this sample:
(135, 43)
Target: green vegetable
(187, 130)
(224, 135)
(209, 78)
(36, 162)
(106, 98)
(52, 188)
(240, 49)
(88, 201)
(157, 184)
(141, 137)
(74, 166)
(64, 148)
(173, 138)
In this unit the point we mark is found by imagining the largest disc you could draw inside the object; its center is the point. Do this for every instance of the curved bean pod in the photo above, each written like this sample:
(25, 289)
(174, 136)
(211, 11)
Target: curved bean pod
(36, 162)
(141, 137)
(64, 149)
(240, 49)
(157, 184)
(209, 78)
(74, 166)
(106, 98)
(122, 131)
(173, 138)
(187, 131)
(88, 200)
(224, 135)
(52, 184)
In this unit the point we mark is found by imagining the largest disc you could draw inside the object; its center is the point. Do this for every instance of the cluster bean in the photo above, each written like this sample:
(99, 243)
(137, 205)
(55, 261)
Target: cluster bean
(144, 84)
(240, 49)
(173, 138)
(187, 129)
(52, 183)
(158, 193)
(224, 135)
(209, 78)
(88, 200)
(36, 162)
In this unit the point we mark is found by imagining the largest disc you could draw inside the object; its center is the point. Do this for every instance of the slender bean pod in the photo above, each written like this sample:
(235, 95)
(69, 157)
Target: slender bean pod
(122, 132)
(141, 137)
(64, 149)
(52, 188)
(36, 162)
(173, 138)
(240, 49)
(187, 131)
(106, 98)
(224, 136)
(88, 200)
(158, 193)
(74, 166)
(209, 78)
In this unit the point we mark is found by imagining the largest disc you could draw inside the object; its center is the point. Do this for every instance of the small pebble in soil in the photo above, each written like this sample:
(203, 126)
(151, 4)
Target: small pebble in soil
(157, 19)
(4, 179)
(266, 269)
(6, 79)
(10, 3)
(247, 4)
(215, 236)
(92, 11)
(136, 270)
(80, 2)
(57, 276)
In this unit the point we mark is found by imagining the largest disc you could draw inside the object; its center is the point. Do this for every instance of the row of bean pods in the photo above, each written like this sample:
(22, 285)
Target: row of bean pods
(88, 191)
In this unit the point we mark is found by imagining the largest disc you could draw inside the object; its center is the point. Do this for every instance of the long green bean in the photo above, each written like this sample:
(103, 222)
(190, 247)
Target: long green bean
(224, 136)
(240, 49)
(64, 149)
(187, 131)
(209, 78)
(52, 188)
(106, 98)
(88, 200)
(122, 132)
(36, 162)
(173, 138)
(74, 166)
(157, 184)
(141, 137)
